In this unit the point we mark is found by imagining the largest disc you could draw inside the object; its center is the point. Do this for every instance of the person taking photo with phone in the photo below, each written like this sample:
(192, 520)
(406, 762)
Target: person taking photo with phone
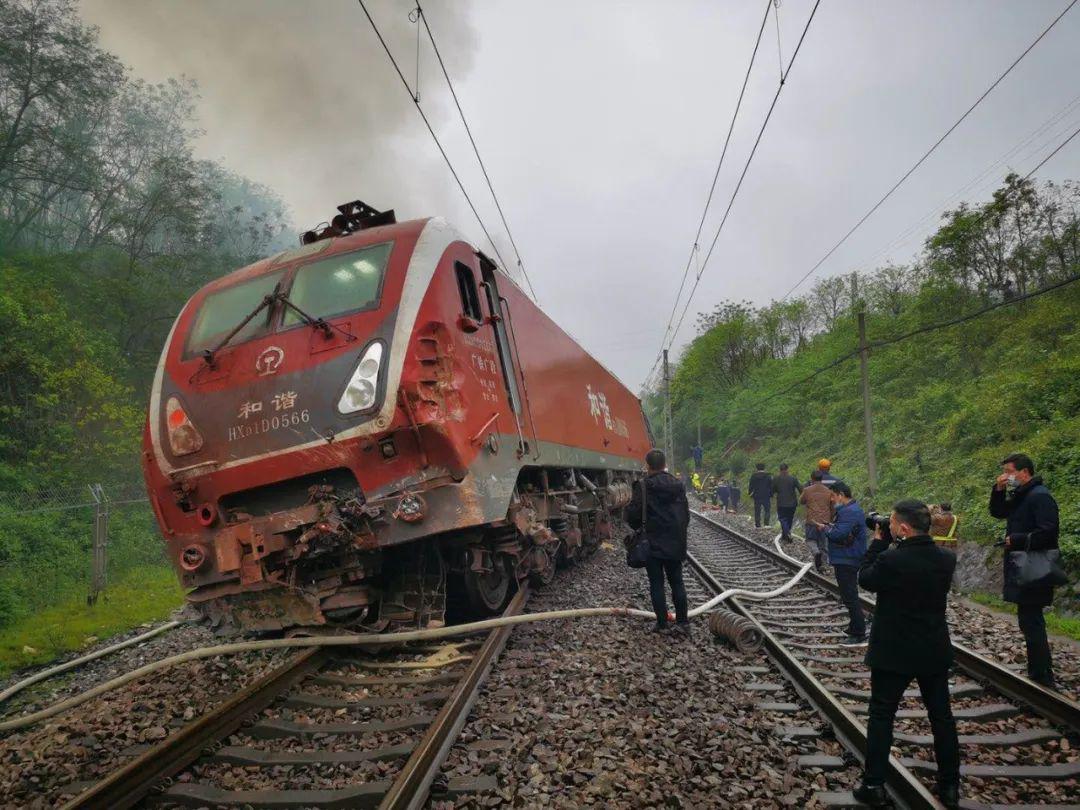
(1031, 525)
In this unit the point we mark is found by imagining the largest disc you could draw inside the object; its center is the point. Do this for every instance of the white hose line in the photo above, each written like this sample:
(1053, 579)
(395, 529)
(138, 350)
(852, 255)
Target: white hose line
(373, 639)
(784, 554)
(366, 639)
(730, 592)
(45, 674)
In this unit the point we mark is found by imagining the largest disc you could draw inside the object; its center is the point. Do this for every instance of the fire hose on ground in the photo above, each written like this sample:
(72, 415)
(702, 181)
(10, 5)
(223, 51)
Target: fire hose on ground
(737, 631)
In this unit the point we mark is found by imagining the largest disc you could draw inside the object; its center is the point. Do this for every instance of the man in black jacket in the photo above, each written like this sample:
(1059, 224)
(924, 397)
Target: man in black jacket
(786, 488)
(667, 515)
(760, 489)
(1031, 515)
(909, 639)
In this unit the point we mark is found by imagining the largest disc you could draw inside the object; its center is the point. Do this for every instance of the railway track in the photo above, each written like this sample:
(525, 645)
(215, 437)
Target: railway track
(1018, 740)
(376, 726)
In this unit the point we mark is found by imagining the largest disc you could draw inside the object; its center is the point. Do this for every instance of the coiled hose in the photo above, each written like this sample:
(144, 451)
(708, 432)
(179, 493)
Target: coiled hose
(369, 639)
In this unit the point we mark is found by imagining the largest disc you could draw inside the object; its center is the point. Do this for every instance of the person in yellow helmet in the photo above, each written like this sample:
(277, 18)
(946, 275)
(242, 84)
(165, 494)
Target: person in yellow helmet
(825, 468)
(695, 479)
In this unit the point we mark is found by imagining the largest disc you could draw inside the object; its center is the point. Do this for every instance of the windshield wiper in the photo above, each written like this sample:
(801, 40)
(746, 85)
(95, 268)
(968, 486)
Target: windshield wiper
(318, 323)
(268, 300)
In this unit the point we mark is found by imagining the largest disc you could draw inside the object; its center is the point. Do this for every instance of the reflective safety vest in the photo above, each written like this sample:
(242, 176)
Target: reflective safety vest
(695, 479)
(951, 534)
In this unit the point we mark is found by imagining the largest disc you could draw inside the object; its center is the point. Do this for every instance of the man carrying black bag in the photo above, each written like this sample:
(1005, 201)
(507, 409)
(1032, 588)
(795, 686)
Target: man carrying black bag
(1032, 560)
(667, 515)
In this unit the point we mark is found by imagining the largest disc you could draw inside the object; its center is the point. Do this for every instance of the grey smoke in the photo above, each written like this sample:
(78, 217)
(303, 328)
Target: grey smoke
(300, 96)
(601, 122)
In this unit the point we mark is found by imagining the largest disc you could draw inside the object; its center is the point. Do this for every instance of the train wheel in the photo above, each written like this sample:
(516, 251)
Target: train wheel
(487, 591)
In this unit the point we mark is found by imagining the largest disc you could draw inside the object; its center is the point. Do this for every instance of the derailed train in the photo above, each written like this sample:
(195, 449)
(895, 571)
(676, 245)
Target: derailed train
(375, 426)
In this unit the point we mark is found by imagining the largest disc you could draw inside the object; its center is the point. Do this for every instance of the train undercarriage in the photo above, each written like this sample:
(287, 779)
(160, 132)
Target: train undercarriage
(325, 565)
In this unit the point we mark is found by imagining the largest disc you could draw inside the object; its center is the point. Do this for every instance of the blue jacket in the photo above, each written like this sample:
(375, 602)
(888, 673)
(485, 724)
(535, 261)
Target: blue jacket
(850, 522)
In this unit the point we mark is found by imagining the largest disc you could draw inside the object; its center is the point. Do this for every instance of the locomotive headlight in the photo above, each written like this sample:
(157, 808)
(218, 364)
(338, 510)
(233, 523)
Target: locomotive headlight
(359, 394)
(184, 439)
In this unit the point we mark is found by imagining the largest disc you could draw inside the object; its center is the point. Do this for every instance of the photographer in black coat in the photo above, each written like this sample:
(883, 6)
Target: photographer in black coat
(909, 639)
(667, 516)
(1031, 516)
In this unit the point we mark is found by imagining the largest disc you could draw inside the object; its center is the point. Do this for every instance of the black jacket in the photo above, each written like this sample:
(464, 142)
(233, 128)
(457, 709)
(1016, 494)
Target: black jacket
(1031, 520)
(786, 487)
(667, 514)
(760, 486)
(910, 633)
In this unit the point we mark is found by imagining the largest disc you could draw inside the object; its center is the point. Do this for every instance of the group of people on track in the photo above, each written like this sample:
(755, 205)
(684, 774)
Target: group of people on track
(906, 561)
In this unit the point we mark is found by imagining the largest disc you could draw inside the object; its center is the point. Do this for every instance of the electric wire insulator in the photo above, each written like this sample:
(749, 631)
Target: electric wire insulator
(736, 629)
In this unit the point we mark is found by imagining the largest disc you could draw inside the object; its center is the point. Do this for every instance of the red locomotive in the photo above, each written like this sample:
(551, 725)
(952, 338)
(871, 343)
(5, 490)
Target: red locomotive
(362, 430)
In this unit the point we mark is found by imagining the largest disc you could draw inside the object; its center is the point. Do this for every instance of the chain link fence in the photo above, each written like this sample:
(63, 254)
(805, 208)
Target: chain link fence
(61, 542)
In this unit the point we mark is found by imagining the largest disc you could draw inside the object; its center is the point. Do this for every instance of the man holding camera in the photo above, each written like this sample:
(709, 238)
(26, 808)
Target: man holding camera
(909, 639)
(1031, 515)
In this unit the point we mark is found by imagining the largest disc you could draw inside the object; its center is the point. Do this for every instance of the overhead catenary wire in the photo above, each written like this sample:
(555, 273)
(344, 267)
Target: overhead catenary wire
(431, 131)
(476, 150)
(933, 327)
(906, 175)
(779, 50)
(881, 343)
(742, 176)
(1027, 143)
(716, 176)
(889, 341)
(928, 152)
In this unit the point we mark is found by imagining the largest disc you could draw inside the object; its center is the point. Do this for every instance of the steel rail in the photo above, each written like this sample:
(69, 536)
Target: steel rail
(412, 784)
(902, 784)
(130, 784)
(1054, 706)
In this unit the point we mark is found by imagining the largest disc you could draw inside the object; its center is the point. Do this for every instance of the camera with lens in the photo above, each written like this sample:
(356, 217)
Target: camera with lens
(876, 520)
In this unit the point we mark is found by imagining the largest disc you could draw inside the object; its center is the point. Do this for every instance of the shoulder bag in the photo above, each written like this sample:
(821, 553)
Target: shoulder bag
(637, 544)
(1033, 568)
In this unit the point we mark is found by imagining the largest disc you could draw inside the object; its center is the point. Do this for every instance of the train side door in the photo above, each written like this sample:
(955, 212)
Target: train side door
(503, 346)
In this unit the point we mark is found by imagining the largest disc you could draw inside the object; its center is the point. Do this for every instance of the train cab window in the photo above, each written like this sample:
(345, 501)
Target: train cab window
(224, 310)
(347, 282)
(470, 297)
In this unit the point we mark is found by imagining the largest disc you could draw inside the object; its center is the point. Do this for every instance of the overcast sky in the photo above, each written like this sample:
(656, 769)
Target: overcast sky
(601, 124)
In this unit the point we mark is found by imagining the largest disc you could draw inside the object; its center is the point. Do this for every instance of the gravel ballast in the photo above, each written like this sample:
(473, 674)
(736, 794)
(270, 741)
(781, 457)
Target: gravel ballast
(43, 764)
(990, 633)
(602, 713)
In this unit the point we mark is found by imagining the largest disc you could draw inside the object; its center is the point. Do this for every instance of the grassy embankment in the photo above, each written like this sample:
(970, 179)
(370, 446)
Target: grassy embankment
(948, 406)
(142, 595)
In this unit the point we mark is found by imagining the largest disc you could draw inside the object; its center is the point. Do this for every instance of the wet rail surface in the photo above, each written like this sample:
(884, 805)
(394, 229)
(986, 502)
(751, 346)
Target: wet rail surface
(1019, 742)
(324, 730)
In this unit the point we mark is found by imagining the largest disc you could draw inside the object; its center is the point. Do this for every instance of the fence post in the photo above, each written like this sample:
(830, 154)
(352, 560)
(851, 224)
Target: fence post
(100, 544)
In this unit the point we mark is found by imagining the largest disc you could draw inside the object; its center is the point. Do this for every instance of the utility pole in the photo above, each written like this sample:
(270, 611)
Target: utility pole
(868, 419)
(669, 444)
